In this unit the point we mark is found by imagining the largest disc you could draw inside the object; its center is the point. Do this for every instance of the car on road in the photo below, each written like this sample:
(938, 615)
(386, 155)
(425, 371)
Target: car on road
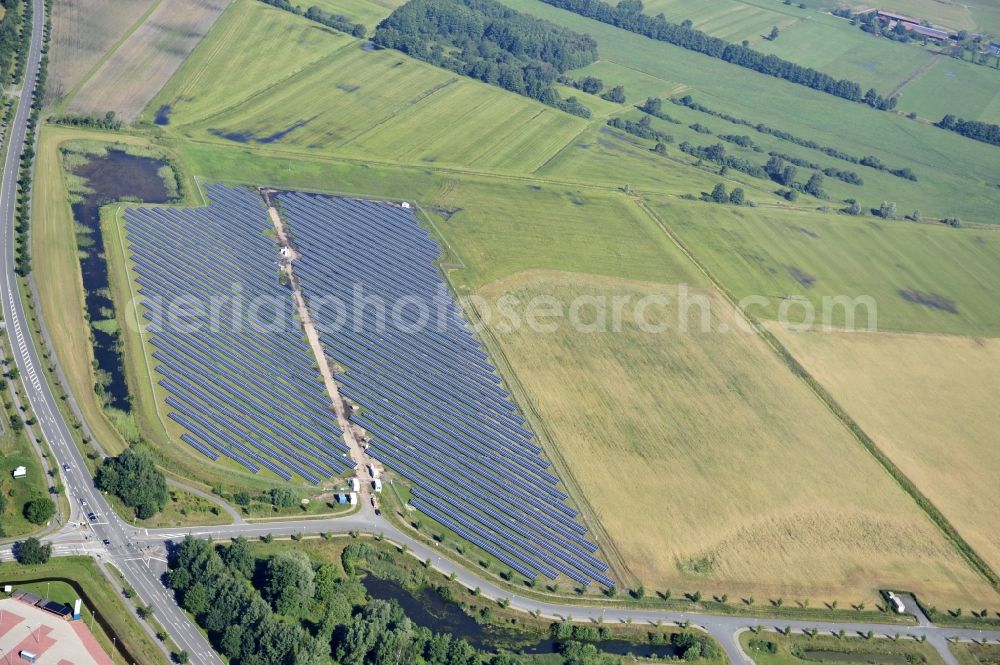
(92, 517)
(83, 502)
(107, 541)
(65, 467)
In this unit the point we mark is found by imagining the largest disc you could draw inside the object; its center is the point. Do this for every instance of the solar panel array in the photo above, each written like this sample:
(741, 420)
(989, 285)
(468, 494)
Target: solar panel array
(238, 389)
(433, 406)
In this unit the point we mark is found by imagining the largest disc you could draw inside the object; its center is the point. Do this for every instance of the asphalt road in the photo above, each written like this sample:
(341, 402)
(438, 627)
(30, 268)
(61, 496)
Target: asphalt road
(139, 553)
(79, 485)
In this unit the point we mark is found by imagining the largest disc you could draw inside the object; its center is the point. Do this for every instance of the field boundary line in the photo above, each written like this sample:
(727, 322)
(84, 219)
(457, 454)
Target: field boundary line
(914, 75)
(569, 144)
(950, 533)
(68, 97)
(410, 103)
(307, 68)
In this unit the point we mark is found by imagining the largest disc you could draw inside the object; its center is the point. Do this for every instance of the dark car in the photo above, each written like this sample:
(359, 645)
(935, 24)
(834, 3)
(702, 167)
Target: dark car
(107, 541)
(92, 517)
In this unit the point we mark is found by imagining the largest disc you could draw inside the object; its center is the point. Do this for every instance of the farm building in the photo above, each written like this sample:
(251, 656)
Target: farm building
(930, 33)
(912, 24)
(902, 18)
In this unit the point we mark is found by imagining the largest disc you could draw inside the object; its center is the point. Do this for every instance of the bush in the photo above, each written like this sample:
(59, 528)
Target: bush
(39, 510)
(32, 551)
(134, 478)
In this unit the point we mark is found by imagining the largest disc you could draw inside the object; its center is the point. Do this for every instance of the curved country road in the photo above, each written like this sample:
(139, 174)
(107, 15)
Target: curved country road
(138, 553)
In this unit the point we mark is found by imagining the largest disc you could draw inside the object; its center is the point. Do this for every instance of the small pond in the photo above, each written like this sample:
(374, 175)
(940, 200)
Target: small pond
(427, 608)
(109, 178)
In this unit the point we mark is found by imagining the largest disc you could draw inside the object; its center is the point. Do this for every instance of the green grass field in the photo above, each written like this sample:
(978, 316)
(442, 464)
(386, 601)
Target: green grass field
(808, 37)
(790, 254)
(795, 650)
(955, 173)
(15, 451)
(933, 94)
(220, 74)
(354, 101)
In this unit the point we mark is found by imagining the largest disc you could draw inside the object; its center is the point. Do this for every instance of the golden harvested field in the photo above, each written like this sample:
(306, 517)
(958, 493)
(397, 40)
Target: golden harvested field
(82, 32)
(143, 63)
(930, 403)
(712, 468)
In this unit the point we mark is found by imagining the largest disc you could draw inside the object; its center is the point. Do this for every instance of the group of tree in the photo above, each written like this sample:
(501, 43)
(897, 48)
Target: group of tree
(108, 121)
(31, 551)
(719, 195)
(593, 86)
(628, 15)
(134, 478)
(21, 12)
(643, 129)
(877, 101)
(786, 174)
(11, 41)
(717, 153)
(285, 609)
(588, 84)
(654, 107)
(870, 161)
(850, 177)
(490, 42)
(329, 19)
(973, 129)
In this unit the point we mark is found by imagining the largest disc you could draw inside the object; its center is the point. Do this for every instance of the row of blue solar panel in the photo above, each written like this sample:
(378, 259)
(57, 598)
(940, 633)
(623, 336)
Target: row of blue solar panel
(248, 394)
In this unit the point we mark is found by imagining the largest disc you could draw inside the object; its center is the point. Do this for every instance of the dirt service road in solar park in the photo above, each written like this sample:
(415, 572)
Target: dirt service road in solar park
(339, 405)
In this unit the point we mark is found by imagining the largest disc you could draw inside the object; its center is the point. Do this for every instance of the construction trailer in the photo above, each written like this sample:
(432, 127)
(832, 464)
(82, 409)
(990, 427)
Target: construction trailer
(377, 485)
(355, 485)
(353, 498)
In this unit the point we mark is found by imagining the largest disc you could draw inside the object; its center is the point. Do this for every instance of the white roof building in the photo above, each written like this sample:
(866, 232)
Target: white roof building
(20, 472)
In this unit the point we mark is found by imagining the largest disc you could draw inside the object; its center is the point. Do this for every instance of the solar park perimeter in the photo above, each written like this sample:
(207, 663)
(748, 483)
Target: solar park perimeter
(424, 396)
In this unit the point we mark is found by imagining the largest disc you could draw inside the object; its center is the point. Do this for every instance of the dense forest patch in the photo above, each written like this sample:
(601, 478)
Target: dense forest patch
(487, 41)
